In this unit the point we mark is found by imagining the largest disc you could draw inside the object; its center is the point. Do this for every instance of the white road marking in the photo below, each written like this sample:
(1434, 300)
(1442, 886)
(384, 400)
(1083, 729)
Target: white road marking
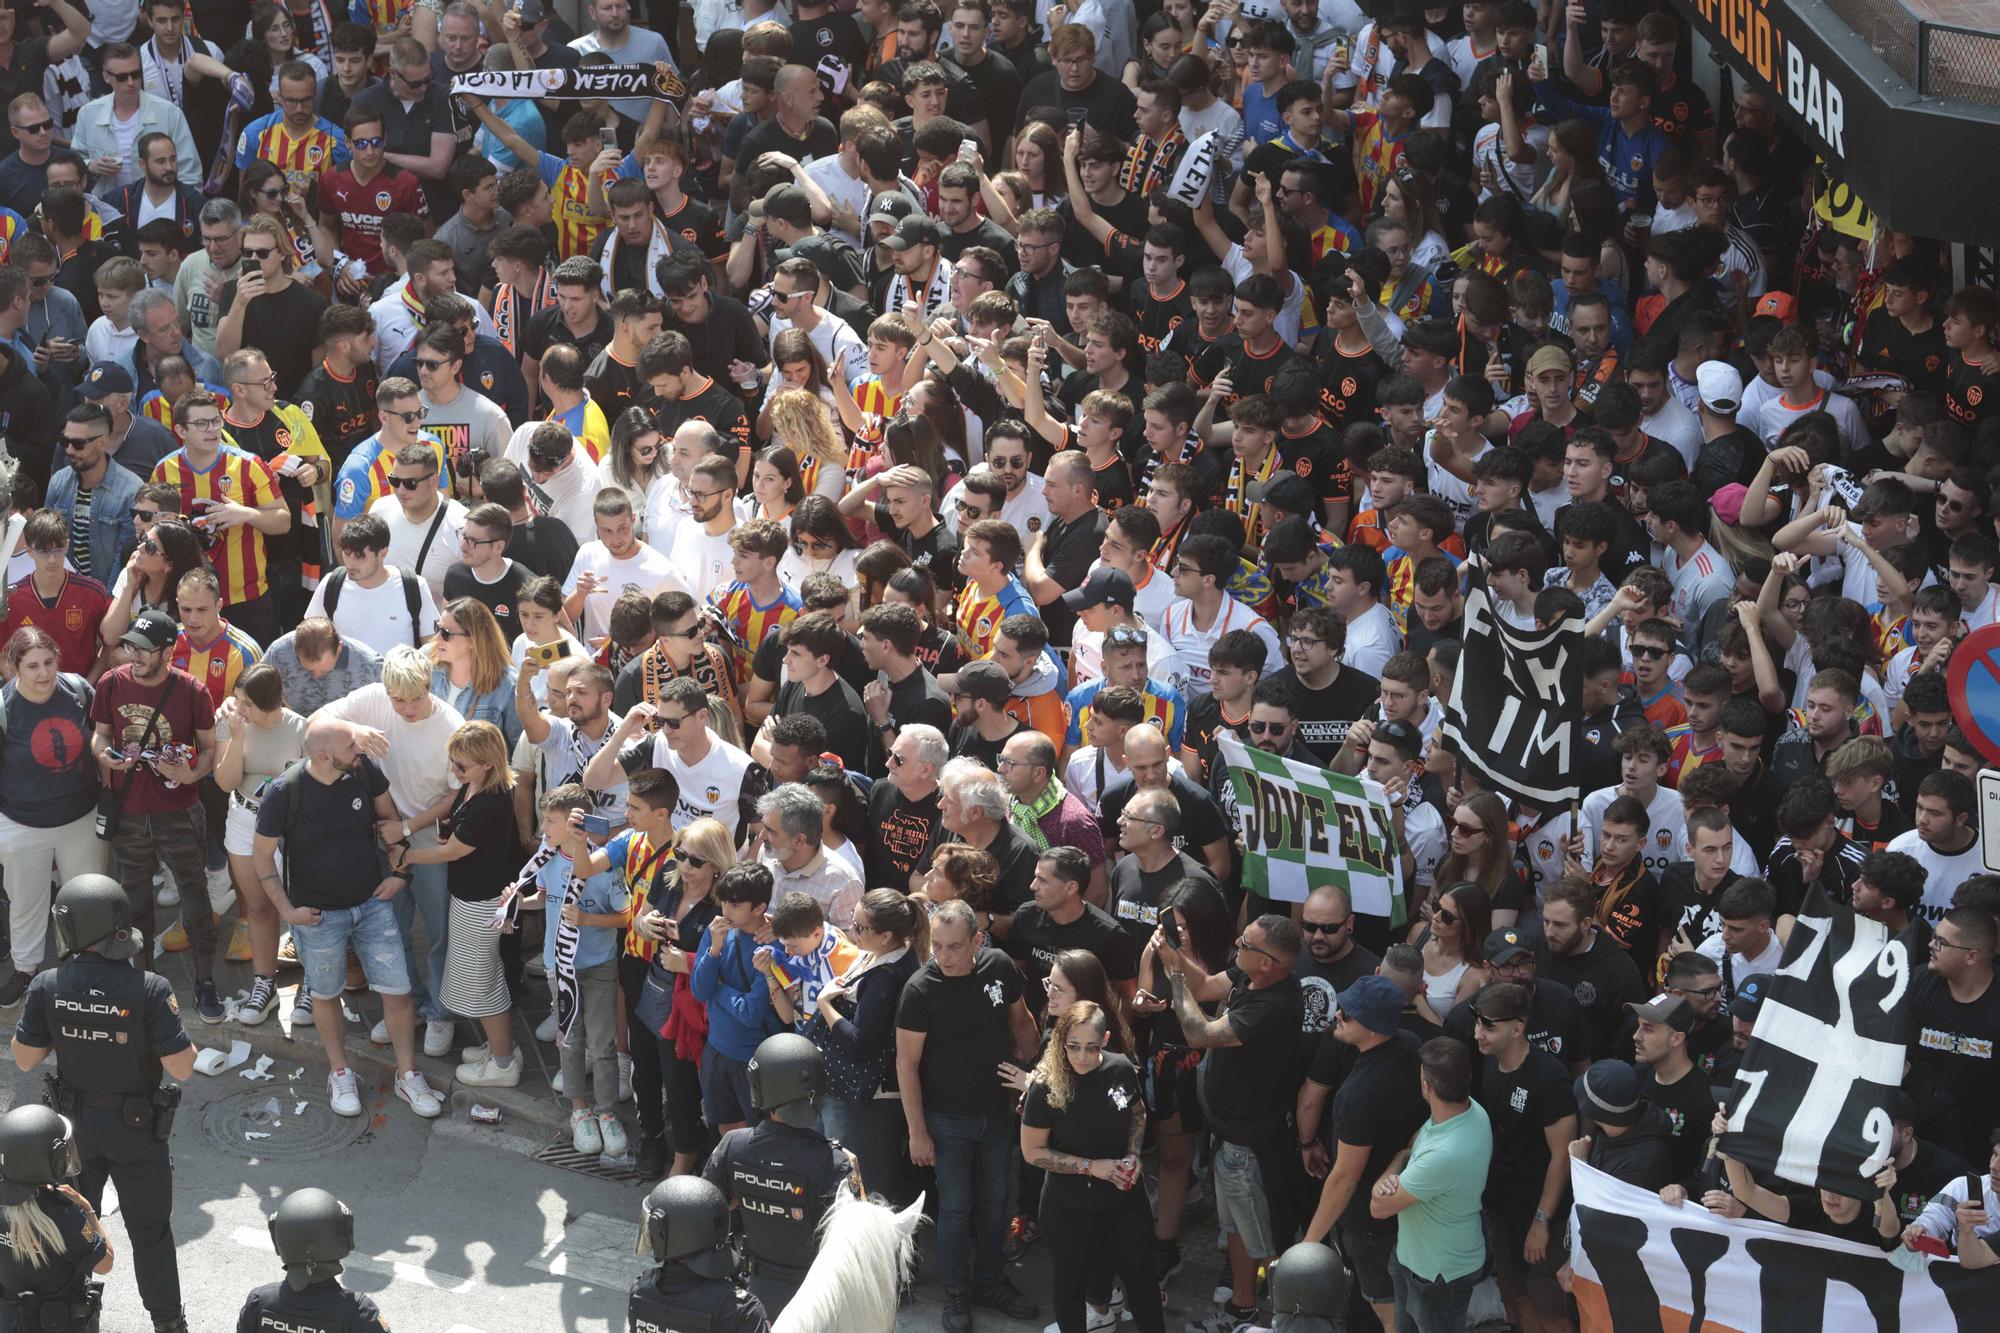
(451, 1284)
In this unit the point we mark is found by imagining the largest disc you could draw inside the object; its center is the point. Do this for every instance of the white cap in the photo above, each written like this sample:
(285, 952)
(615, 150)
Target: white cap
(1721, 387)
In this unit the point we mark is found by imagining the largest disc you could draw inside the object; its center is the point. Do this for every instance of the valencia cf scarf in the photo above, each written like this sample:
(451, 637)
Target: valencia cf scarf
(611, 82)
(564, 976)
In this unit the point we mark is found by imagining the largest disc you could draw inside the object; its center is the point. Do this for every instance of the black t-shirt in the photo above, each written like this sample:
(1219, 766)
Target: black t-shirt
(967, 743)
(1248, 372)
(1068, 549)
(918, 698)
(546, 328)
(998, 84)
(543, 545)
(727, 333)
(1521, 1106)
(769, 663)
(987, 233)
(1807, 1215)
(1127, 217)
(614, 385)
(1136, 895)
(1321, 982)
(1555, 1023)
(1201, 821)
(284, 326)
(1249, 1087)
(902, 835)
(936, 550)
(832, 42)
(714, 404)
(1378, 1106)
(502, 596)
(1689, 1108)
(1035, 939)
(343, 412)
(1605, 980)
(967, 1027)
(485, 823)
(1095, 1122)
(1324, 715)
(1016, 857)
(819, 140)
(1684, 907)
(1106, 104)
(1955, 1043)
(1918, 357)
(1634, 919)
(331, 862)
(839, 709)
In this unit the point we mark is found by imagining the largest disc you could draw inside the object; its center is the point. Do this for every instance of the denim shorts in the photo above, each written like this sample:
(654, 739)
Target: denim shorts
(1240, 1206)
(371, 930)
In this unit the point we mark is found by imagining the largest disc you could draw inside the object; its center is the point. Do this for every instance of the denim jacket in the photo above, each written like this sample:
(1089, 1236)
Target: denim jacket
(495, 706)
(111, 501)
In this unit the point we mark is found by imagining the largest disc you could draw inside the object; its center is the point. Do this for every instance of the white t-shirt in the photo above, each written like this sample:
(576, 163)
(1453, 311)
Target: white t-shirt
(1193, 643)
(645, 570)
(701, 561)
(711, 789)
(794, 569)
(1678, 427)
(106, 342)
(1942, 874)
(1666, 831)
(539, 686)
(1372, 639)
(419, 773)
(406, 542)
(379, 616)
(830, 174)
(1027, 513)
(1450, 489)
(1773, 415)
(570, 491)
(1740, 967)
(564, 754)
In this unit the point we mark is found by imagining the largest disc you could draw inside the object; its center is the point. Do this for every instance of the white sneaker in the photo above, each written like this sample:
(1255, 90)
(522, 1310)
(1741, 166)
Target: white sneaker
(583, 1135)
(343, 1093)
(167, 894)
(438, 1033)
(1094, 1320)
(472, 1055)
(490, 1073)
(379, 1034)
(556, 1083)
(624, 1078)
(412, 1088)
(546, 1029)
(613, 1134)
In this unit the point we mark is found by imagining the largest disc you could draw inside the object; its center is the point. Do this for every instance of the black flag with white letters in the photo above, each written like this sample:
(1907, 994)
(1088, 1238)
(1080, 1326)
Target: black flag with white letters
(1812, 1095)
(1517, 701)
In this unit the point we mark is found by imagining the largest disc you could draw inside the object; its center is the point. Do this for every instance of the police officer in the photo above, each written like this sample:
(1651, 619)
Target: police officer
(1308, 1289)
(781, 1175)
(312, 1232)
(114, 1027)
(44, 1286)
(694, 1290)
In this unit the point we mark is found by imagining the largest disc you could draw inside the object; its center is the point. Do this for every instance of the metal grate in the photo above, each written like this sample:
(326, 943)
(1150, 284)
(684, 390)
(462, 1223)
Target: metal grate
(560, 1154)
(1960, 64)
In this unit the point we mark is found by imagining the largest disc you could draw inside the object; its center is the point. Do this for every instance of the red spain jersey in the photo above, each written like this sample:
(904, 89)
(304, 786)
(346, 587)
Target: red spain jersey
(71, 618)
(569, 202)
(217, 663)
(752, 623)
(360, 208)
(234, 477)
(1375, 156)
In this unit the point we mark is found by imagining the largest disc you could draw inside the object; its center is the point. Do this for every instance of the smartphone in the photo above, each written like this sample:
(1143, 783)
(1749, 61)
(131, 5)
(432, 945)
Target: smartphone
(1170, 928)
(597, 825)
(608, 135)
(548, 654)
(1541, 61)
(1931, 1245)
(967, 150)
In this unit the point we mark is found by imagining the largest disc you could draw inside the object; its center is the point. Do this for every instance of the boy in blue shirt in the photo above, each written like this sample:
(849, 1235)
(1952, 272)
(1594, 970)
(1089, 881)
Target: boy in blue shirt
(736, 986)
(597, 914)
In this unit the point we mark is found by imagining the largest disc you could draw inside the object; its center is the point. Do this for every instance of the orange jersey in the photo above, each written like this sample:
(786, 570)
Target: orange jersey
(1044, 712)
(751, 623)
(235, 477)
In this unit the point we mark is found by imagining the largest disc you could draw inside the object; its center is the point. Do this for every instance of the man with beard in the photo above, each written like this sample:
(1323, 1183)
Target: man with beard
(1555, 1023)
(1588, 961)
(903, 808)
(1332, 961)
(568, 742)
(1674, 1082)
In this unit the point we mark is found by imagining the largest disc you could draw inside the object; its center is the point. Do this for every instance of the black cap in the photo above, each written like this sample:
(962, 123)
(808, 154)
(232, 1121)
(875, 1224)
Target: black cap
(979, 680)
(1670, 1010)
(891, 206)
(1105, 584)
(913, 231)
(1749, 999)
(1504, 945)
(1288, 491)
(1608, 1092)
(151, 630)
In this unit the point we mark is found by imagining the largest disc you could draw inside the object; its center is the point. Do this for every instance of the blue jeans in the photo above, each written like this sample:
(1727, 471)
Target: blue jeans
(1428, 1306)
(370, 930)
(974, 1153)
(425, 893)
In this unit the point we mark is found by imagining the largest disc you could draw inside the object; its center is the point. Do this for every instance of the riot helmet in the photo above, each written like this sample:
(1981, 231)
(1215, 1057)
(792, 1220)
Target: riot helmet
(1309, 1279)
(37, 1149)
(787, 1076)
(312, 1232)
(687, 1223)
(93, 910)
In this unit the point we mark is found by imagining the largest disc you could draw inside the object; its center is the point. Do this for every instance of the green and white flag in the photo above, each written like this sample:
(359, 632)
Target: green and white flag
(1303, 827)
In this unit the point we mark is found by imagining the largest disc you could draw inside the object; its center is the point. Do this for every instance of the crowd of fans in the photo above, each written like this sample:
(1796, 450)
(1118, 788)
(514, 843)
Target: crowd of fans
(818, 525)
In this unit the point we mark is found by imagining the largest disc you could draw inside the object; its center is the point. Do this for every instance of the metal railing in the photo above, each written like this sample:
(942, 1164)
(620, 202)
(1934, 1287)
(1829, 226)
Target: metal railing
(1942, 60)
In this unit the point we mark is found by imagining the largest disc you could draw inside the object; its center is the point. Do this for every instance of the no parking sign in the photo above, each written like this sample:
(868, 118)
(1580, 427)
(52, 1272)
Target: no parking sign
(1973, 681)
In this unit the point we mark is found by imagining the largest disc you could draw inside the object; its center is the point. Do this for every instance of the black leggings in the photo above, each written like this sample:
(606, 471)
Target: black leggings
(1085, 1245)
(647, 1085)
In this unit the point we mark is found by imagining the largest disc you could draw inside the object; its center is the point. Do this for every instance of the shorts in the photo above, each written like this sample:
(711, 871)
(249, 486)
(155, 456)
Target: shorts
(239, 831)
(1506, 1237)
(370, 930)
(1240, 1206)
(1368, 1253)
(1176, 1089)
(725, 1090)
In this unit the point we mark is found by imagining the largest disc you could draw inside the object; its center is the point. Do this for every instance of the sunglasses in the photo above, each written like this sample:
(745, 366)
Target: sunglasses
(424, 362)
(693, 862)
(39, 127)
(72, 442)
(273, 193)
(259, 255)
(444, 633)
(970, 509)
(412, 483)
(1267, 728)
(1322, 927)
(412, 417)
(48, 550)
(1444, 914)
(1648, 651)
(147, 515)
(1084, 1047)
(1469, 830)
(121, 75)
(369, 144)
(150, 547)
(1243, 943)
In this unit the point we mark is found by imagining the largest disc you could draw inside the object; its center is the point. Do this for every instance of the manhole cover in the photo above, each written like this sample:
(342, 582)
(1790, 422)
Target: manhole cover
(292, 1131)
(588, 1164)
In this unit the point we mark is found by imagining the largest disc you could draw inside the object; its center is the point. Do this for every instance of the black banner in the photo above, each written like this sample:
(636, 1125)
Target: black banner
(1517, 701)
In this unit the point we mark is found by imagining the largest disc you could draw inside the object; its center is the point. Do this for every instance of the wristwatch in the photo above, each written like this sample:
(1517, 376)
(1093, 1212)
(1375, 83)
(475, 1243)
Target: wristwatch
(1541, 1216)
(406, 827)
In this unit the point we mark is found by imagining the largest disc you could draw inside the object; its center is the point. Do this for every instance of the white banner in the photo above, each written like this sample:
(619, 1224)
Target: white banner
(1643, 1267)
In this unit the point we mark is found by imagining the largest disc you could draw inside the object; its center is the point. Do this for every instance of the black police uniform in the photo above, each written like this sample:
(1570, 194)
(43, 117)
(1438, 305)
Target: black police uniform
(109, 1023)
(322, 1307)
(63, 1281)
(672, 1299)
(781, 1180)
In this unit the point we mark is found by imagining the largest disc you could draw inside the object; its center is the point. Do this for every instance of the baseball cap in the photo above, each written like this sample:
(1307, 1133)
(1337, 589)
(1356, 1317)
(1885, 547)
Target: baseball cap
(1749, 999)
(1549, 358)
(1105, 584)
(1721, 387)
(105, 377)
(1505, 945)
(1373, 1002)
(979, 680)
(915, 230)
(151, 630)
(1728, 502)
(1780, 304)
(531, 12)
(1671, 1010)
(1608, 1093)
(1287, 491)
(891, 206)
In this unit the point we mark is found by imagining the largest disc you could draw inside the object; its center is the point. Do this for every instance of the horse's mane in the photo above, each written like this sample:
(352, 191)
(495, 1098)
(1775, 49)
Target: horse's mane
(866, 1250)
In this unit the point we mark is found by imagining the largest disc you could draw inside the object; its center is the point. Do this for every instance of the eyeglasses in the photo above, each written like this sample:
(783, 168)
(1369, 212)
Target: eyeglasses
(1129, 818)
(1302, 641)
(1648, 651)
(1007, 765)
(205, 424)
(1697, 992)
(270, 381)
(1182, 567)
(467, 539)
(423, 82)
(692, 632)
(298, 101)
(411, 483)
(259, 255)
(1266, 728)
(1125, 636)
(815, 546)
(39, 127)
(42, 281)
(48, 550)
(412, 417)
(424, 362)
(703, 496)
(368, 145)
(1936, 943)
(1323, 927)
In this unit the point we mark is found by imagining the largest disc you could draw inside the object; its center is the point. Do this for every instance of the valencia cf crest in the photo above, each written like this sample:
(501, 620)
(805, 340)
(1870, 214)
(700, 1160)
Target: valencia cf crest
(313, 154)
(1304, 467)
(224, 482)
(283, 438)
(486, 380)
(1035, 524)
(668, 84)
(713, 794)
(1638, 165)
(1348, 387)
(825, 38)
(1973, 395)
(383, 199)
(214, 666)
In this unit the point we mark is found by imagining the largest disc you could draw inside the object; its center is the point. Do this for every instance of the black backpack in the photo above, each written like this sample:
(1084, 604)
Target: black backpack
(413, 598)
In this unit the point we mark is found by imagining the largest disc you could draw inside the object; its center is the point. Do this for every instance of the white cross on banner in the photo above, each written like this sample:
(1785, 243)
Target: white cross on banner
(1812, 1093)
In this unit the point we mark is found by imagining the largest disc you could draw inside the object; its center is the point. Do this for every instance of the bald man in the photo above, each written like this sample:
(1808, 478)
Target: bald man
(1028, 767)
(1202, 831)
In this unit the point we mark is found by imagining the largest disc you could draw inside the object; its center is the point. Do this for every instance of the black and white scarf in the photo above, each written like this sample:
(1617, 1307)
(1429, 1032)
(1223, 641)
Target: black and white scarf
(567, 994)
(610, 82)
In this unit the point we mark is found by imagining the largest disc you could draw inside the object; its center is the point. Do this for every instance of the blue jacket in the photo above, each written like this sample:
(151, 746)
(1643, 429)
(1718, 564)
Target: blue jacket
(495, 706)
(111, 501)
(738, 997)
(187, 215)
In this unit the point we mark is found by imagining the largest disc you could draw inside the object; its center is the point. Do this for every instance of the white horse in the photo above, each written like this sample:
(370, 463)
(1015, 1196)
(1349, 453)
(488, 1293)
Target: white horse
(866, 1252)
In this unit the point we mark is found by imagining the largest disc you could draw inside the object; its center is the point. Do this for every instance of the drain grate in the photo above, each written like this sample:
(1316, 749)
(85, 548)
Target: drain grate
(560, 1154)
(311, 1132)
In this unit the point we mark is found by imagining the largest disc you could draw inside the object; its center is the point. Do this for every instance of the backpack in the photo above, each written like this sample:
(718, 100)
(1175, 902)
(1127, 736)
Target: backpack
(413, 598)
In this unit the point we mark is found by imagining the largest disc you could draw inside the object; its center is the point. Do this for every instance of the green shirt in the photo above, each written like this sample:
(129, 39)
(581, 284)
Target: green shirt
(1438, 1238)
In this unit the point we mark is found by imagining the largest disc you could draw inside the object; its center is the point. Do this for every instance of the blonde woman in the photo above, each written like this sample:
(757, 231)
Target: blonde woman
(1082, 1121)
(799, 420)
(53, 1237)
(257, 739)
(701, 853)
(475, 844)
(473, 671)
